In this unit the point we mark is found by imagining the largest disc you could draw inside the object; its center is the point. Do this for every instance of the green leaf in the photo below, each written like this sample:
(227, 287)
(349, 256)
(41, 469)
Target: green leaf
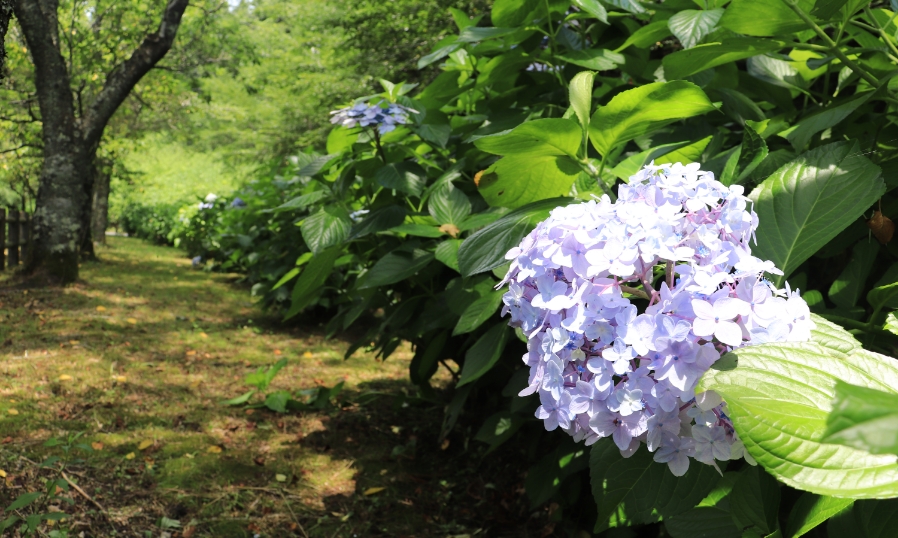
(8, 523)
(755, 501)
(646, 36)
(580, 94)
(406, 176)
(883, 296)
(481, 357)
(778, 72)
(832, 336)
(485, 250)
(863, 418)
(304, 201)
(447, 253)
(874, 519)
(24, 500)
(517, 180)
(891, 323)
(420, 230)
(340, 139)
(596, 59)
(544, 479)
(511, 13)
(379, 220)
(809, 201)
(745, 158)
(240, 400)
(473, 34)
(594, 8)
(739, 107)
(684, 63)
(329, 226)
(498, 428)
(288, 276)
(800, 134)
(764, 17)
(633, 163)
(425, 362)
(703, 522)
(479, 312)
(846, 290)
(641, 110)
(779, 397)
(812, 510)
(277, 401)
(640, 487)
(690, 26)
(263, 377)
(395, 267)
(436, 133)
(313, 277)
(689, 153)
(549, 136)
(448, 205)
(317, 165)
(633, 6)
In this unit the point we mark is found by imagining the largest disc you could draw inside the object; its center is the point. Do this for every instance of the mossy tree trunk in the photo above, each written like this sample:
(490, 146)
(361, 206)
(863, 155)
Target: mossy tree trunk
(64, 199)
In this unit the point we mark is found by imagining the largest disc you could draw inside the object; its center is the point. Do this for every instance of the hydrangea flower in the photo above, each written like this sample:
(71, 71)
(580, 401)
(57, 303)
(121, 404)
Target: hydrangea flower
(626, 305)
(385, 117)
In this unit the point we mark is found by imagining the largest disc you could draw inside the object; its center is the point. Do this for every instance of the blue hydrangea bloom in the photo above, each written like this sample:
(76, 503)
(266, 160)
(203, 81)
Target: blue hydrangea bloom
(604, 367)
(381, 115)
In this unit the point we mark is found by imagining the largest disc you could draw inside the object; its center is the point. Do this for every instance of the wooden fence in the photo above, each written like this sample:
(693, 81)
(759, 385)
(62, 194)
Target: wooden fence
(15, 236)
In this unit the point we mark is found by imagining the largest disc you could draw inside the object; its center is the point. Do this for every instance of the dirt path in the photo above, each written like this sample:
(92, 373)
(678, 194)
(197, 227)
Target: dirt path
(138, 357)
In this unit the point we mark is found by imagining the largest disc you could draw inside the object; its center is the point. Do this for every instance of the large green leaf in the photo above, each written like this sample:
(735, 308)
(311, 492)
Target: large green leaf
(517, 180)
(580, 95)
(478, 312)
(646, 36)
(864, 418)
(764, 17)
(594, 8)
(549, 136)
(406, 176)
(689, 153)
(328, 227)
(809, 201)
(883, 296)
(640, 490)
(633, 163)
(832, 336)
(309, 283)
(779, 397)
(638, 111)
(633, 6)
(755, 501)
(448, 205)
(811, 510)
(395, 267)
(485, 250)
(596, 59)
(690, 26)
(379, 220)
(484, 353)
(846, 290)
(684, 63)
(745, 159)
(800, 134)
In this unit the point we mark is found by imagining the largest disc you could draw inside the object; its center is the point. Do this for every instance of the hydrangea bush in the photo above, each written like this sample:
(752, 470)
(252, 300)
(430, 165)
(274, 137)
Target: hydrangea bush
(625, 305)
(381, 115)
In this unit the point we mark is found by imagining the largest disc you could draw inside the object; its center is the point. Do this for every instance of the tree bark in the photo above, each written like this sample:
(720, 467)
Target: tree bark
(64, 199)
(100, 210)
(5, 15)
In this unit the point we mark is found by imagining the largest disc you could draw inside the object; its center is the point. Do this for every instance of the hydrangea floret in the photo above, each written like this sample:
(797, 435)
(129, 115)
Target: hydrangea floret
(625, 305)
(385, 116)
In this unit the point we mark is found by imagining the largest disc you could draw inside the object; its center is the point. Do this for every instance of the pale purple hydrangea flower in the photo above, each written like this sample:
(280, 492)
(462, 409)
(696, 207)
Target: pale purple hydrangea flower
(606, 365)
(385, 118)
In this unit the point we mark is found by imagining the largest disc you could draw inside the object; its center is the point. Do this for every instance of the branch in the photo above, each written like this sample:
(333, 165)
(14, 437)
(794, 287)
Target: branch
(128, 73)
(11, 150)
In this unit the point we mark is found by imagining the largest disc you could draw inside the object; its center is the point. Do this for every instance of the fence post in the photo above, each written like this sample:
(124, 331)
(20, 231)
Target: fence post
(13, 245)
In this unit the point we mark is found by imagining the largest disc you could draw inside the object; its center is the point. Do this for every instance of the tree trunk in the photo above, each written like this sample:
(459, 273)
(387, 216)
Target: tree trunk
(100, 209)
(60, 197)
(5, 15)
(63, 207)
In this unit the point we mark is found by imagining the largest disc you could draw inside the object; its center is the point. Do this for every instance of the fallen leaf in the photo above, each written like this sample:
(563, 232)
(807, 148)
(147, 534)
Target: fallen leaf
(259, 460)
(101, 309)
(145, 444)
(214, 449)
(132, 321)
(12, 411)
(120, 378)
(307, 355)
(65, 377)
(189, 531)
(129, 456)
(189, 456)
(445, 444)
(6, 440)
(2, 473)
(450, 229)
(372, 491)
(280, 477)
(191, 353)
(204, 335)
(74, 342)
(277, 351)
(96, 445)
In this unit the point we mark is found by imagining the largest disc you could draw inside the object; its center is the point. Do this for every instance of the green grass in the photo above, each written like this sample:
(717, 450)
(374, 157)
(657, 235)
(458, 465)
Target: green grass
(139, 356)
